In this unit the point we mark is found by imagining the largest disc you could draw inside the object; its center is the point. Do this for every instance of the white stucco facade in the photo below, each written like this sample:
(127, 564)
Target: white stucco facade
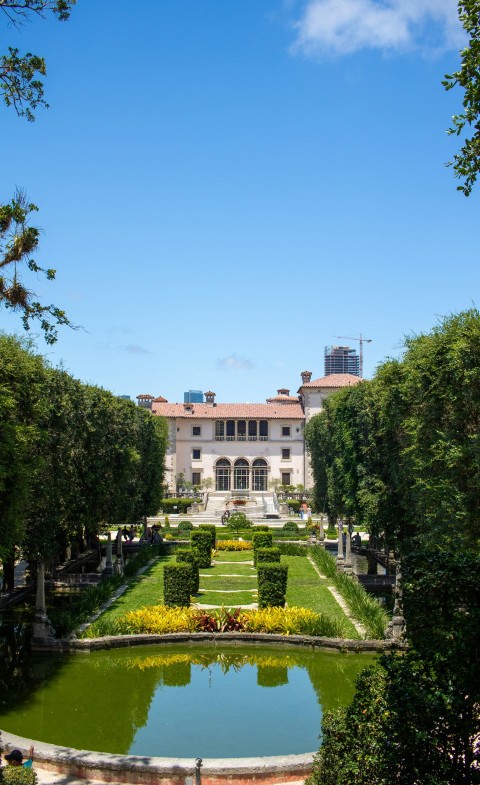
(242, 447)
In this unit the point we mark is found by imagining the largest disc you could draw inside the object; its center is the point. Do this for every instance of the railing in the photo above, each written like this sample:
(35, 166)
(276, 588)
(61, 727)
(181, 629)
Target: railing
(241, 438)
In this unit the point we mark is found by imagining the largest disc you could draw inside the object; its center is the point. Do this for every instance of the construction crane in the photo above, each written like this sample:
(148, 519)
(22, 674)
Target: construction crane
(361, 340)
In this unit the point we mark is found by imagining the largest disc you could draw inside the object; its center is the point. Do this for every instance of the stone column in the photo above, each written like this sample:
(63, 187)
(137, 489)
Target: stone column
(348, 556)
(41, 624)
(118, 567)
(396, 627)
(340, 560)
(321, 531)
(145, 529)
(108, 562)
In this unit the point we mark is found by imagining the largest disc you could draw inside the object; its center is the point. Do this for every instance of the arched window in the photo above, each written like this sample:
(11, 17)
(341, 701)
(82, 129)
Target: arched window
(223, 471)
(260, 474)
(241, 474)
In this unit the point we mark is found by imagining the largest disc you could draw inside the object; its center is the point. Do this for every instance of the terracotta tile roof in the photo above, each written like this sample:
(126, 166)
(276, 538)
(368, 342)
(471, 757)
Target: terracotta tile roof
(230, 411)
(283, 399)
(334, 380)
(145, 397)
(160, 400)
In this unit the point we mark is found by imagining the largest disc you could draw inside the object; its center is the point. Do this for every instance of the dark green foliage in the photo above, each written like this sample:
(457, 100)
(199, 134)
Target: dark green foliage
(188, 556)
(401, 454)
(405, 724)
(261, 527)
(172, 506)
(177, 582)
(261, 540)
(202, 546)
(210, 527)
(272, 585)
(265, 555)
(290, 527)
(352, 738)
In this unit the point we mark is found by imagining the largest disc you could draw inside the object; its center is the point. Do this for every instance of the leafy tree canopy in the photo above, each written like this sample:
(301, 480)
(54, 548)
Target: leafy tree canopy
(466, 163)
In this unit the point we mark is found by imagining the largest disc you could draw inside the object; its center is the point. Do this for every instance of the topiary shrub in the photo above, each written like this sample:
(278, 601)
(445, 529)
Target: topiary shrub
(261, 527)
(177, 581)
(290, 527)
(187, 556)
(268, 555)
(261, 540)
(201, 542)
(238, 521)
(272, 585)
(210, 527)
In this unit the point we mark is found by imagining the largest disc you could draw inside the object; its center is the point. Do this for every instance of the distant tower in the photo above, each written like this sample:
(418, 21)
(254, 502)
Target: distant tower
(341, 359)
(193, 396)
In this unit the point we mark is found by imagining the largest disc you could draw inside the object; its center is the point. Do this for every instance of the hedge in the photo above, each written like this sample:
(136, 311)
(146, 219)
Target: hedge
(210, 527)
(201, 542)
(268, 555)
(177, 581)
(272, 585)
(290, 526)
(187, 556)
(293, 504)
(261, 540)
(182, 505)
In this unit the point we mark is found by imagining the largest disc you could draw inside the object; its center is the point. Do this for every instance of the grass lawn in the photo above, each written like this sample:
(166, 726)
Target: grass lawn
(232, 582)
(306, 590)
(145, 590)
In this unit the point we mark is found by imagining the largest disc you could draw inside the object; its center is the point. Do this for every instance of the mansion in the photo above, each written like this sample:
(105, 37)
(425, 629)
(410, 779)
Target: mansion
(241, 447)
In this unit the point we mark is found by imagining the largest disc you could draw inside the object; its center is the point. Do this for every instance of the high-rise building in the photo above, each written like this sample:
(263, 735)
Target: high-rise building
(341, 359)
(193, 396)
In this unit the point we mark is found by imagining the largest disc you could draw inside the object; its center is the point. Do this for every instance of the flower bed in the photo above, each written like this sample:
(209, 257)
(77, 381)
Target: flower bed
(160, 619)
(233, 545)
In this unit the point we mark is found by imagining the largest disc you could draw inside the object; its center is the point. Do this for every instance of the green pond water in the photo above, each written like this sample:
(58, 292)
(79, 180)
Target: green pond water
(183, 700)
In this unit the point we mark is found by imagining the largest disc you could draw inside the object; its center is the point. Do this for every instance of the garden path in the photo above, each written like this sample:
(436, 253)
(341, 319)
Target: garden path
(338, 597)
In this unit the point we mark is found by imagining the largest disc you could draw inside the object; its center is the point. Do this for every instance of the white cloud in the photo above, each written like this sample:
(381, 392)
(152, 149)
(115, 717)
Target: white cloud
(345, 26)
(235, 363)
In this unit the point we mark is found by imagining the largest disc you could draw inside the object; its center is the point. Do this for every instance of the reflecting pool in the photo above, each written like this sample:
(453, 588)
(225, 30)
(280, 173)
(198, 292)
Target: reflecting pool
(183, 700)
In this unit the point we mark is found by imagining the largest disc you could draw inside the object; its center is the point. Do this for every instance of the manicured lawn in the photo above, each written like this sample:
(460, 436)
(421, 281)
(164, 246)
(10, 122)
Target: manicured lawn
(232, 582)
(305, 589)
(145, 590)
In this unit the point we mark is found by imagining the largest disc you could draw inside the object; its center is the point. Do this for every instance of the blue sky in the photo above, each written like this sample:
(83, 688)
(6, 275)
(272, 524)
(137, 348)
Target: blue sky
(225, 186)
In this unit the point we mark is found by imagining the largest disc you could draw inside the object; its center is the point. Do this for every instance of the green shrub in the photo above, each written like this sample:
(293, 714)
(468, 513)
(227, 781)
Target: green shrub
(291, 549)
(261, 540)
(17, 775)
(272, 585)
(181, 505)
(293, 504)
(210, 527)
(268, 555)
(177, 581)
(290, 526)
(187, 556)
(201, 542)
(237, 521)
(185, 526)
(261, 528)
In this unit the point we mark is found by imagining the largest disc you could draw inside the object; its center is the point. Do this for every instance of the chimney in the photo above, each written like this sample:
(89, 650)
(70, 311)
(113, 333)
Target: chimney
(210, 398)
(283, 391)
(145, 401)
(306, 376)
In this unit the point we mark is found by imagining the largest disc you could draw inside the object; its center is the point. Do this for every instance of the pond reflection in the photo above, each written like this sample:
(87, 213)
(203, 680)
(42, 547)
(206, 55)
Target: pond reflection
(183, 701)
